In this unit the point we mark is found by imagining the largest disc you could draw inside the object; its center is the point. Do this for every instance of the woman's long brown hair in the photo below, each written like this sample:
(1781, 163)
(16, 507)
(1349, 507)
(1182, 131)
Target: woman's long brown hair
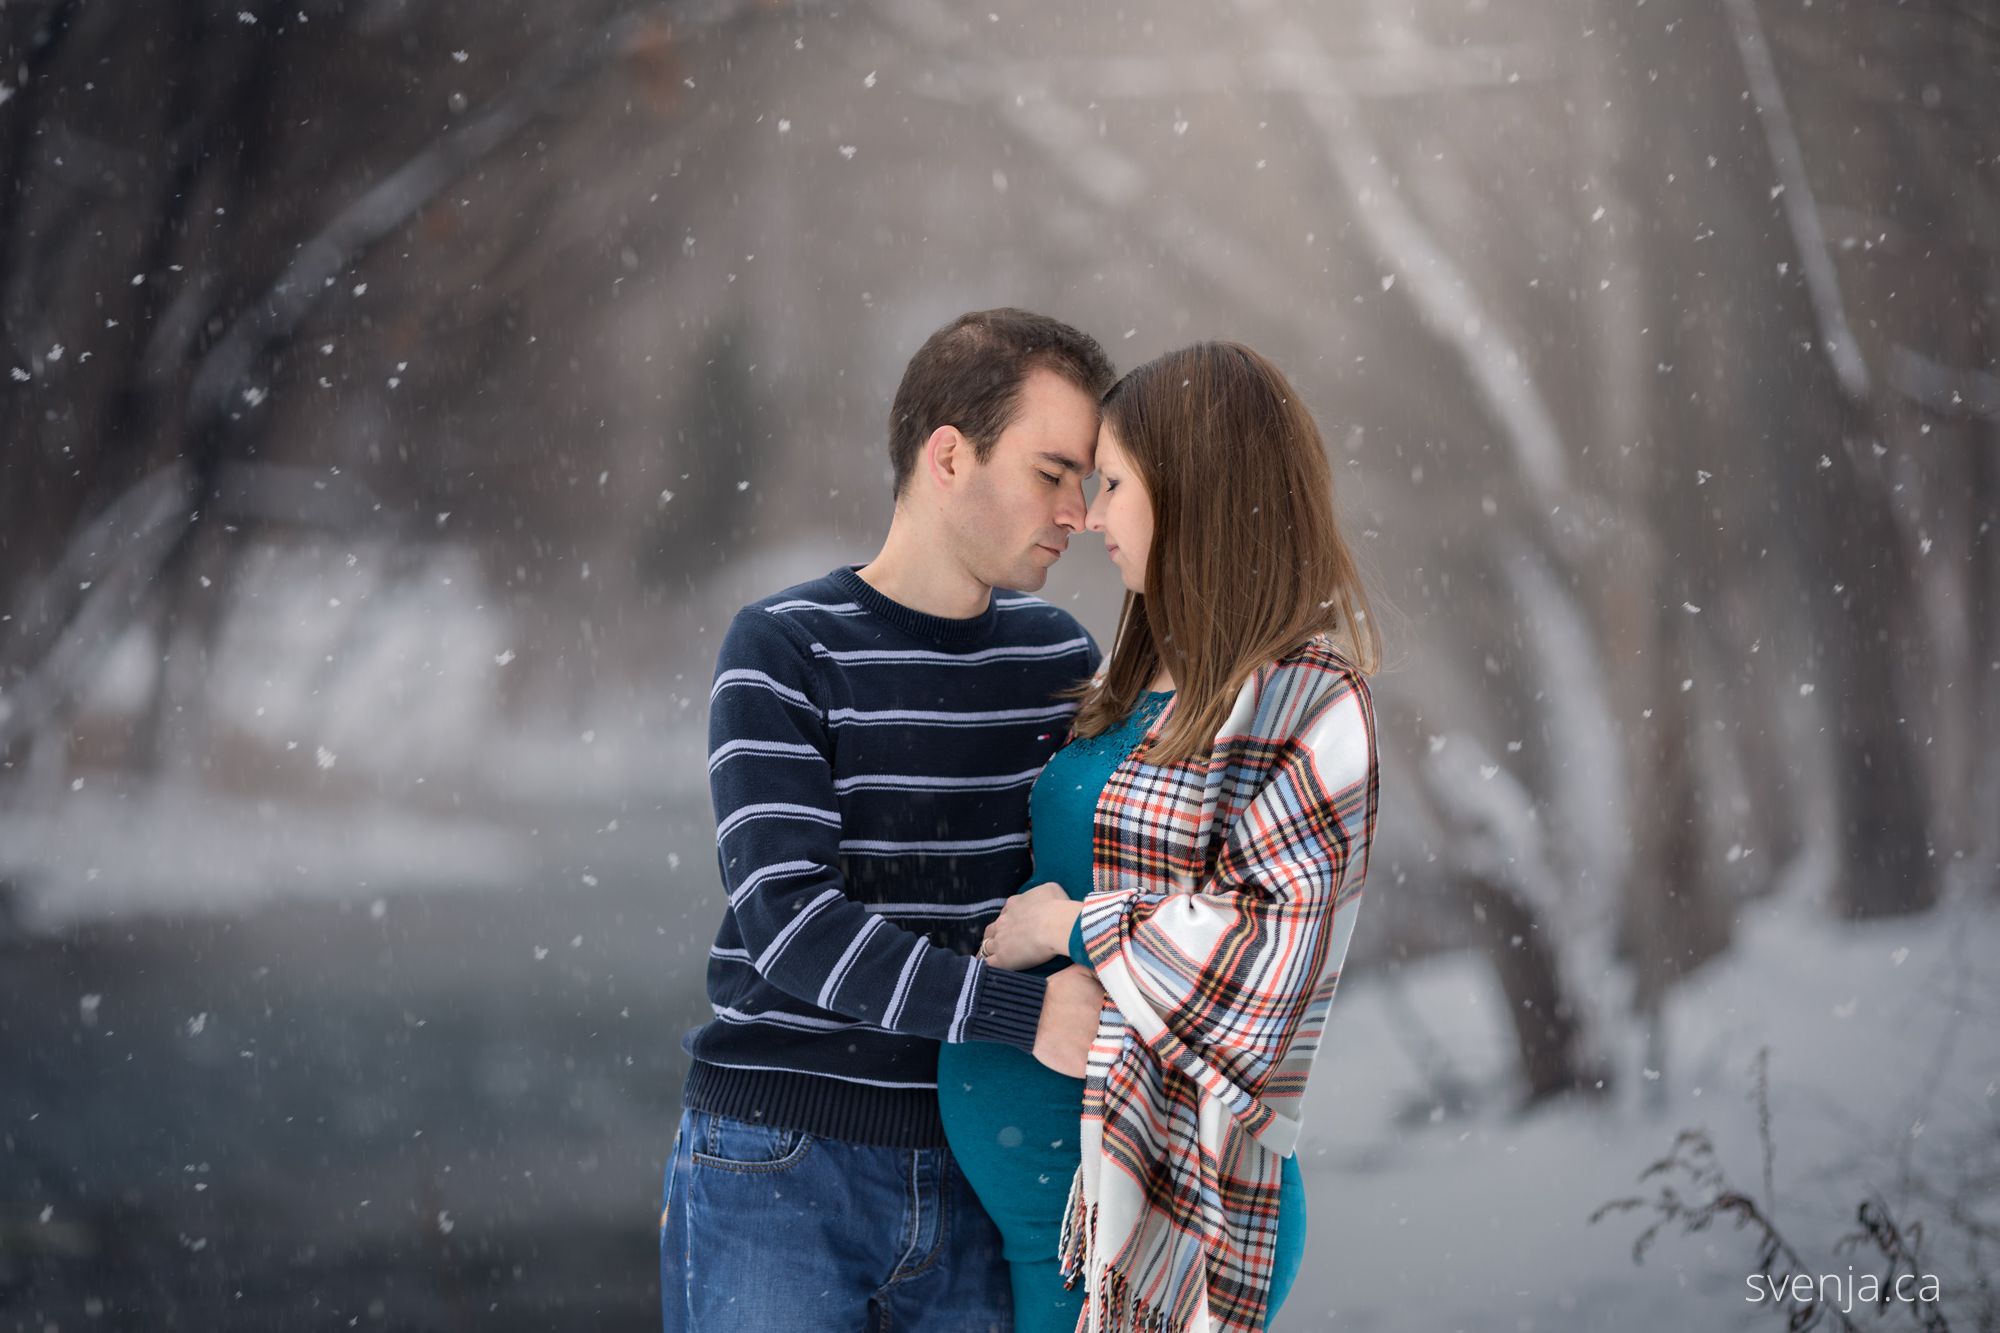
(1247, 560)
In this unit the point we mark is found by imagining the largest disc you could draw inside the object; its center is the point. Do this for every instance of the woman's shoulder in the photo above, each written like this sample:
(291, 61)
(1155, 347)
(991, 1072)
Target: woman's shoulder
(1315, 697)
(1316, 669)
(1302, 692)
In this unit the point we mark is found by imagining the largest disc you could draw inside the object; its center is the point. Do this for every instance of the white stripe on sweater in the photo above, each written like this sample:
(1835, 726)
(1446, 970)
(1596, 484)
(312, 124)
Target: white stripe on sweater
(899, 717)
(854, 609)
(782, 869)
(840, 969)
(901, 995)
(743, 814)
(937, 909)
(969, 847)
(812, 909)
(779, 1018)
(891, 656)
(801, 604)
(776, 749)
(923, 782)
(762, 681)
(962, 1012)
(786, 1069)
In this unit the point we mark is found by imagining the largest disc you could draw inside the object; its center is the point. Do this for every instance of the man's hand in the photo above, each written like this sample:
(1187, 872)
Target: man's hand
(1032, 928)
(1069, 1021)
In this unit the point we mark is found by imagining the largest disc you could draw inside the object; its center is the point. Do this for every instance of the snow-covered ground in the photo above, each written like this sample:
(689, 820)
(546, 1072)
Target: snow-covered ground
(1480, 1222)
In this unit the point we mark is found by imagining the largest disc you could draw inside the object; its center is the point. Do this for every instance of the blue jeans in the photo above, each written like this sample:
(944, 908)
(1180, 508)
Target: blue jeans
(768, 1230)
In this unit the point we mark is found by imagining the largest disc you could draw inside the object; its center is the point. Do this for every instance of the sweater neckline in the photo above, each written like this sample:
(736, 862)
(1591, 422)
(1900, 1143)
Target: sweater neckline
(919, 624)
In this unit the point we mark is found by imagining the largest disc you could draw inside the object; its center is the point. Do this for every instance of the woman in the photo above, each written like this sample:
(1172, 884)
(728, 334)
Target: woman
(1203, 839)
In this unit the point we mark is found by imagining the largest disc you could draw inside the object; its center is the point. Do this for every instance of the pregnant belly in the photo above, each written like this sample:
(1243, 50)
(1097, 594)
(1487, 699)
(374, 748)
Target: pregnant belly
(1012, 1123)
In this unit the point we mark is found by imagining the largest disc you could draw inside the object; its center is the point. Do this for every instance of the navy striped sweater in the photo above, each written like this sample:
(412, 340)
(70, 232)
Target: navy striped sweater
(870, 766)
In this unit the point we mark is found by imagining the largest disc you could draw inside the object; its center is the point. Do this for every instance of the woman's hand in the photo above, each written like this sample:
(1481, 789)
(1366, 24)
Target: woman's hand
(1032, 928)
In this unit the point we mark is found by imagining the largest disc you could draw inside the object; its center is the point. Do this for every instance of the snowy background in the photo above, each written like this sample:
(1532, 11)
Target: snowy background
(399, 396)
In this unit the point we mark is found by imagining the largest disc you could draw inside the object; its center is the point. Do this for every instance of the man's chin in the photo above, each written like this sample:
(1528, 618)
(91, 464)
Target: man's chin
(1030, 575)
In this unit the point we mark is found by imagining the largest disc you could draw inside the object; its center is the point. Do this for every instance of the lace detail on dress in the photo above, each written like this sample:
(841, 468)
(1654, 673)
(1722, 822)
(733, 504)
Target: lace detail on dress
(1122, 739)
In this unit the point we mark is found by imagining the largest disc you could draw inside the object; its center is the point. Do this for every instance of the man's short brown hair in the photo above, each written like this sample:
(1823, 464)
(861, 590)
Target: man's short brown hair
(969, 374)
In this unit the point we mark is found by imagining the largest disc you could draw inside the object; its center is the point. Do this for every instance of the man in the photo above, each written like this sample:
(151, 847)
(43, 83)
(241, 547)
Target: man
(873, 735)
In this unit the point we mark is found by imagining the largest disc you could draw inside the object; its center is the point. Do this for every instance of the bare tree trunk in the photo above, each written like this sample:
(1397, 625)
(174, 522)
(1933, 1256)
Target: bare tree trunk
(1983, 605)
(194, 592)
(1545, 1021)
(1860, 575)
(1670, 921)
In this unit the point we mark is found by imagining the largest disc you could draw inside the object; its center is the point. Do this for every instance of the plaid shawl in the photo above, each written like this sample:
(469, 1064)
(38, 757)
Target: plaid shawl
(1224, 899)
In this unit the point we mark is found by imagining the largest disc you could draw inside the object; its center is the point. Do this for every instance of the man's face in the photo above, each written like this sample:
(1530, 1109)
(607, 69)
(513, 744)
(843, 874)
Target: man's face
(1014, 514)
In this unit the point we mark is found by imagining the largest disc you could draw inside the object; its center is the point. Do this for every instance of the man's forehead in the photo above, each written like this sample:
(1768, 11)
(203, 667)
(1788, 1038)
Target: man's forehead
(1068, 462)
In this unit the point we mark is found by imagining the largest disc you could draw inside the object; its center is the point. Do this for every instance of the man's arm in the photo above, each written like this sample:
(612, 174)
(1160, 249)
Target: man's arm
(778, 830)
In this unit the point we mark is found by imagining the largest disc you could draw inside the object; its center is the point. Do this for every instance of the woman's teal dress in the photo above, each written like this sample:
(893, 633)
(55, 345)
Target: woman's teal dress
(1012, 1121)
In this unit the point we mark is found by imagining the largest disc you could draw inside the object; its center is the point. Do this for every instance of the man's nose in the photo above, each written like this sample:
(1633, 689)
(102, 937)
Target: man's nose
(1073, 511)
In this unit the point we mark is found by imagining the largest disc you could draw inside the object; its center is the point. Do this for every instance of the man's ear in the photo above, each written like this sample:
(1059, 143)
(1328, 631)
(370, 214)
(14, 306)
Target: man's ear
(946, 455)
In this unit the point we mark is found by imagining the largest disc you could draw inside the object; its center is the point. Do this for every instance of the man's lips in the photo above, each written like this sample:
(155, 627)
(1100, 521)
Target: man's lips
(1052, 550)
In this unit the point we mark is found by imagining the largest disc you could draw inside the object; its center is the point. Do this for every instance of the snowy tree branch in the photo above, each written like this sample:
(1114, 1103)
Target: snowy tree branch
(1944, 391)
(1801, 210)
(1114, 180)
(1444, 298)
(124, 549)
(226, 371)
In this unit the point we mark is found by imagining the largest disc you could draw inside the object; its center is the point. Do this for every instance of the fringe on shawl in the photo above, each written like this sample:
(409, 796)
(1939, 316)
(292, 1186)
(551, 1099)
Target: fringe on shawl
(1079, 1225)
(1114, 1309)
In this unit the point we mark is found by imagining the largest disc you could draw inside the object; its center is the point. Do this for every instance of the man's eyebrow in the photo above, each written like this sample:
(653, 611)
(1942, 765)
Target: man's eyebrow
(1062, 461)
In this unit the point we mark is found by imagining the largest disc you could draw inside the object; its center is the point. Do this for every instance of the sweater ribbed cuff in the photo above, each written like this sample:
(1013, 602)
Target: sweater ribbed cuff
(1007, 1009)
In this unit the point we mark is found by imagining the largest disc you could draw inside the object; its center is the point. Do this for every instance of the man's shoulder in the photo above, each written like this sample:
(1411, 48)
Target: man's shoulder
(798, 615)
(779, 626)
(822, 596)
(1027, 619)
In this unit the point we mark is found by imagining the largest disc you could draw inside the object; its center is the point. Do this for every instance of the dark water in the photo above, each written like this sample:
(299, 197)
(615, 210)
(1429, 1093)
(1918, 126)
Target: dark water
(318, 1115)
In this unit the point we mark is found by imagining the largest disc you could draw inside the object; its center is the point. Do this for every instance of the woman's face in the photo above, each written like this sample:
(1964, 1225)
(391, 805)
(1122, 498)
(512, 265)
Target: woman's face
(1122, 511)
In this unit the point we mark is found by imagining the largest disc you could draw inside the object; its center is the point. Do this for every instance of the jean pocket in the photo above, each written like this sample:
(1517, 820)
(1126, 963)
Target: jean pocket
(727, 1144)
